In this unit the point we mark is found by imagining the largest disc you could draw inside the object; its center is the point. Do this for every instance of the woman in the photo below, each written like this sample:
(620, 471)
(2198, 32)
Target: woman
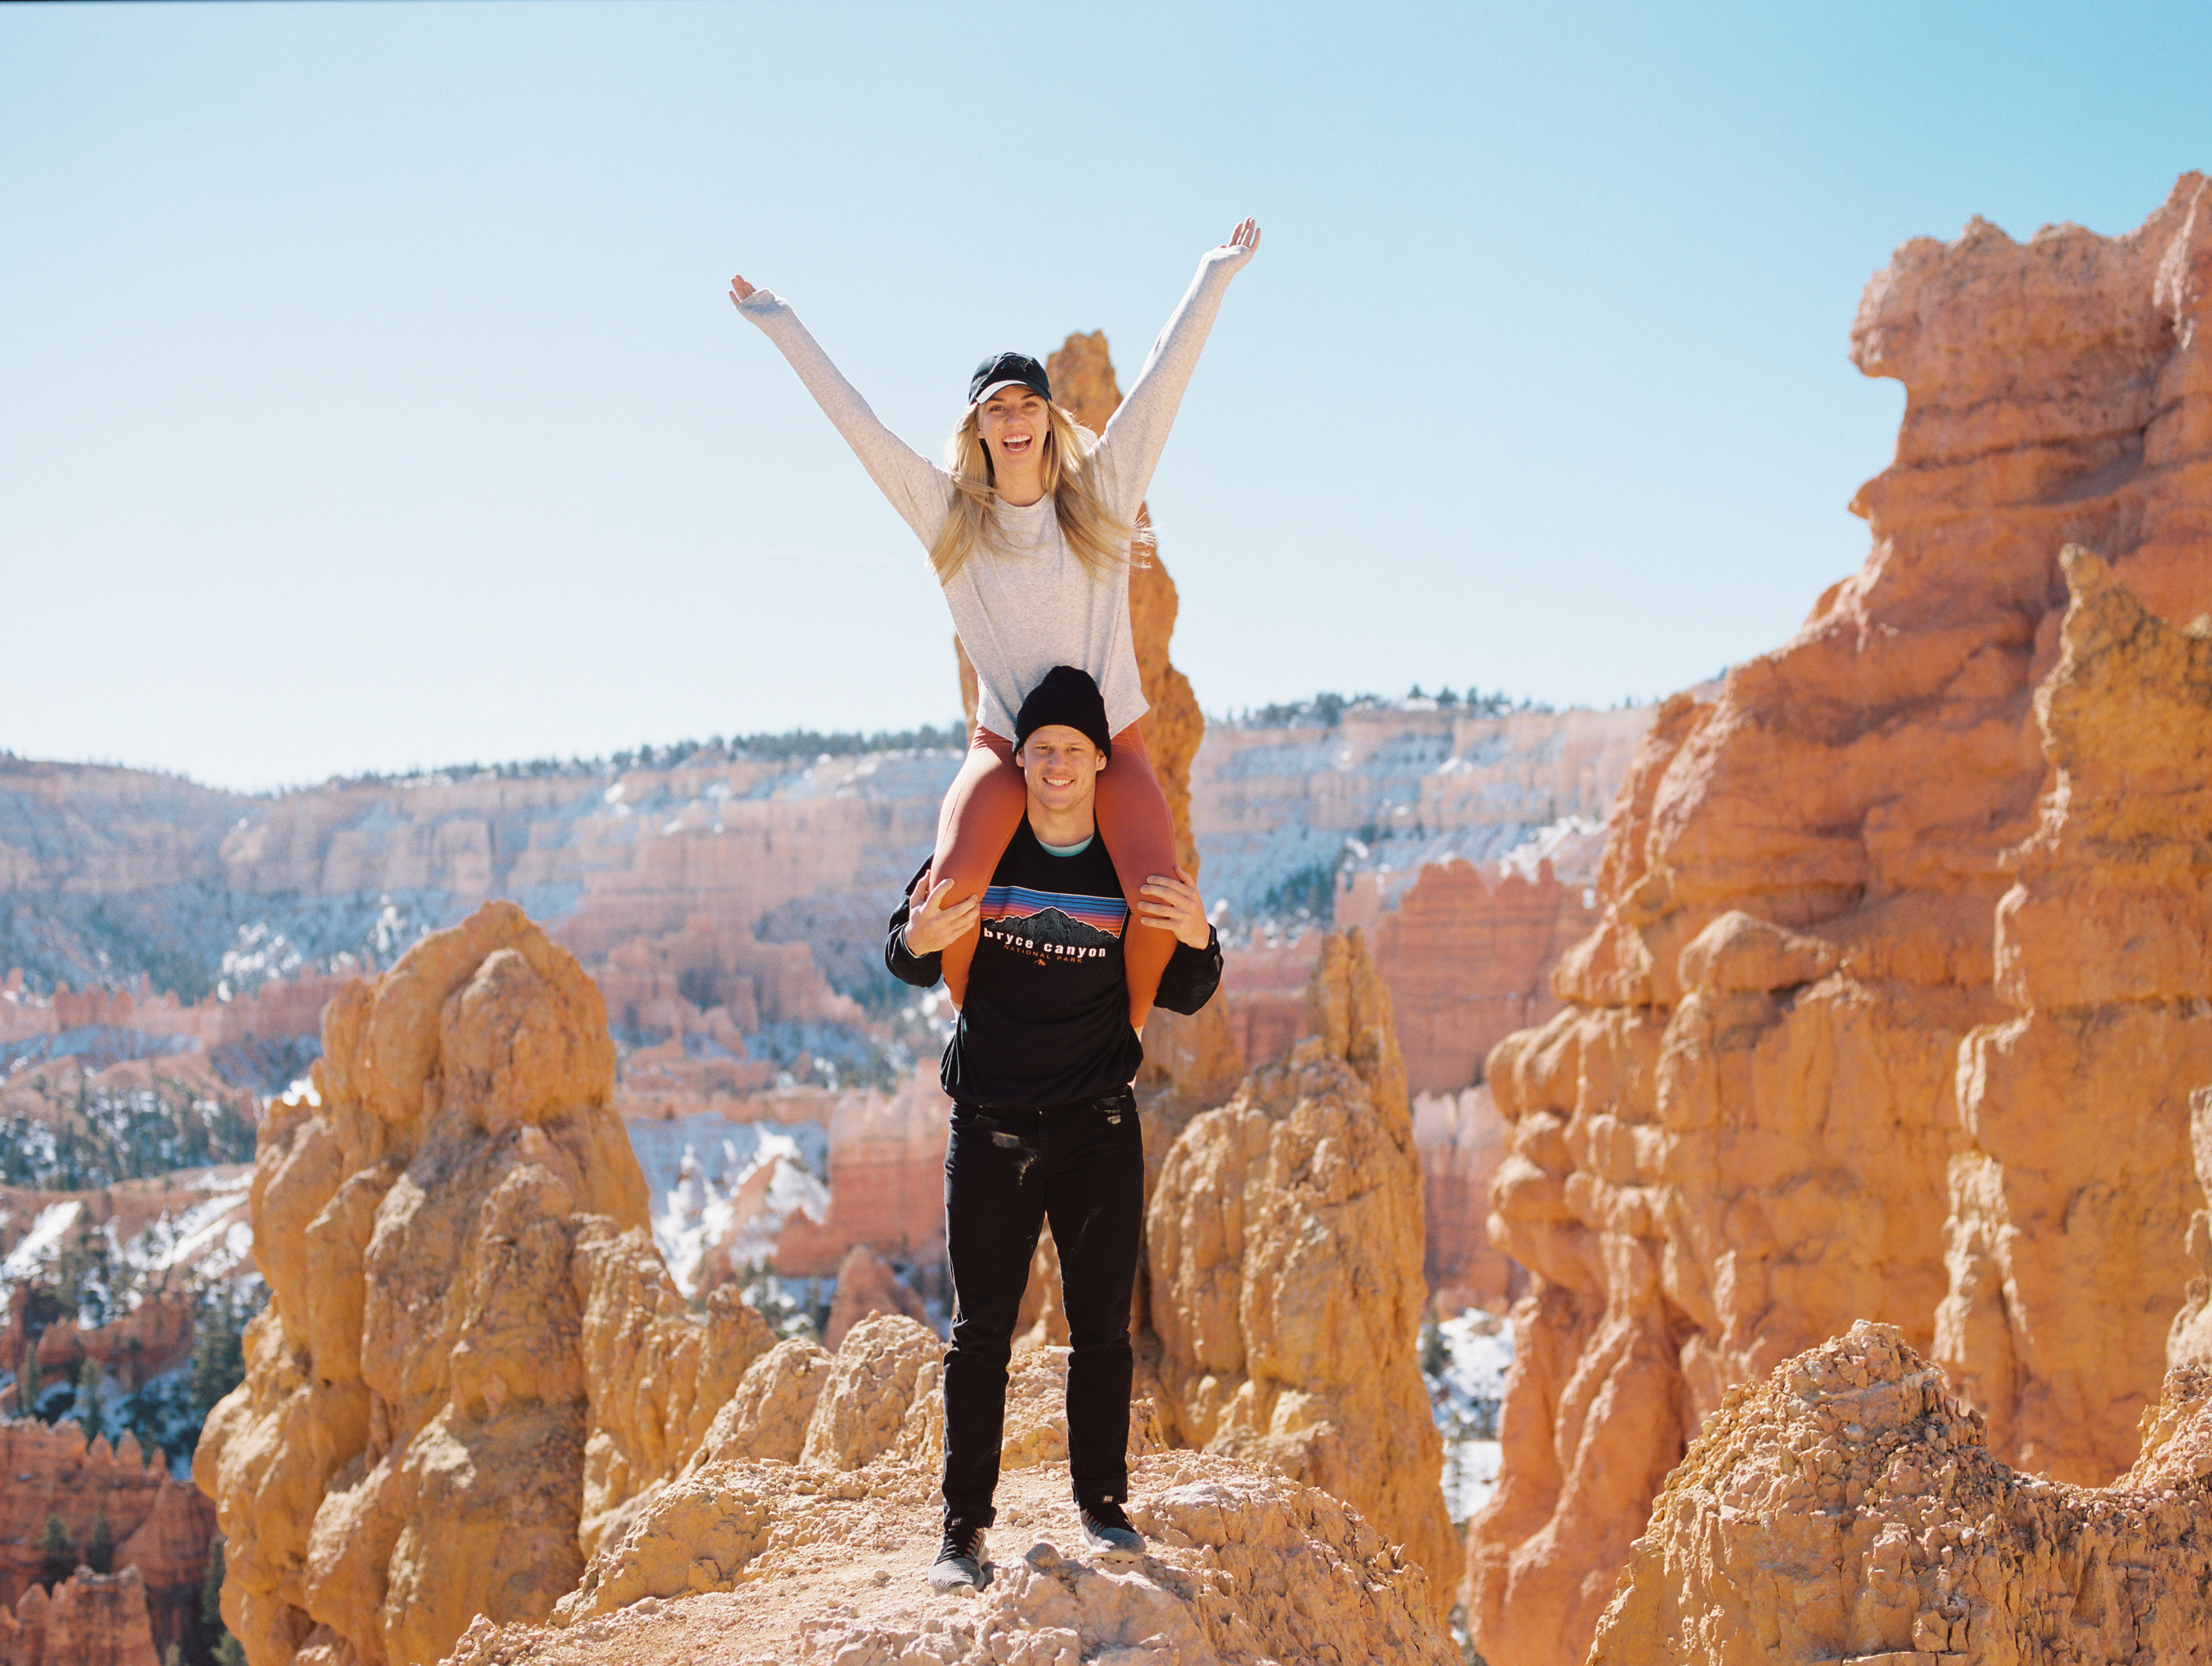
(1031, 529)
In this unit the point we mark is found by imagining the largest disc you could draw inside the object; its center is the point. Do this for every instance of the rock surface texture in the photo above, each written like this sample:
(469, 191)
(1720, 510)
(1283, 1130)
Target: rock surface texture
(2070, 1206)
(473, 1363)
(1811, 1070)
(1285, 1253)
(1849, 1508)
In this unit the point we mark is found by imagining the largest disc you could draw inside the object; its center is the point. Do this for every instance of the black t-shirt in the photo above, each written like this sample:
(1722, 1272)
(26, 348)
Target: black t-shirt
(1047, 1017)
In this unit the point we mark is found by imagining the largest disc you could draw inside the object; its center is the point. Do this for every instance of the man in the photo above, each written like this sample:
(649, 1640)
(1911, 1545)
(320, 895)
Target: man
(1044, 1125)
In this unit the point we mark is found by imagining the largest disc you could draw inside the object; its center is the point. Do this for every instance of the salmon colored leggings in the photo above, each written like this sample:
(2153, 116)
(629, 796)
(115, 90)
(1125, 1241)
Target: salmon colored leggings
(985, 804)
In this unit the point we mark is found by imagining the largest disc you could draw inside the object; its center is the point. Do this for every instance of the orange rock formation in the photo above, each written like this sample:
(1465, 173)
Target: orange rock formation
(1739, 1136)
(473, 1364)
(1849, 1507)
(867, 1287)
(90, 1620)
(159, 1527)
(1462, 1141)
(886, 1181)
(1467, 955)
(2071, 1204)
(1285, 1253)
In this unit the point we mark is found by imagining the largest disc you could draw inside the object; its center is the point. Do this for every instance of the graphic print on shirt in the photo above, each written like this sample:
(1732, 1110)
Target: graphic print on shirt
(1053, 925)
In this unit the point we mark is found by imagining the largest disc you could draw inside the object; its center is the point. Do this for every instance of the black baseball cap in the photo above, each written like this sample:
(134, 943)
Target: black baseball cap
(1008, 370)
(1066, 696)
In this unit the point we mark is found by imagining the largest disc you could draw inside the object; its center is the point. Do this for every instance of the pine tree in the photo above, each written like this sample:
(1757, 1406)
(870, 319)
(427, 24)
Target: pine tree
(27, 1385)
(207, 1638)
(91, 1411)
(56, 1555)
(99, 1549)
(218, 1354)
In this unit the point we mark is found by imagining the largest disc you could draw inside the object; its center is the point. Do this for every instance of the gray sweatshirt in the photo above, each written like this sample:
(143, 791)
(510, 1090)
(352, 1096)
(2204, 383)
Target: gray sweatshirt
(1034, 605)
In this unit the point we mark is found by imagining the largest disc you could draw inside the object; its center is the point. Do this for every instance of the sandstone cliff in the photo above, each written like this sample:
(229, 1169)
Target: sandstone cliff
(1283, 1244)
(1849, 1507)
(2071, 1204)
(1740, 1135)
(473, 1363)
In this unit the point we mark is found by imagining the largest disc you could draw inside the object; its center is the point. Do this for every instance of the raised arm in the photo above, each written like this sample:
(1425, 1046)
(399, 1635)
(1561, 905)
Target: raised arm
(1130, 449)
(917, 489)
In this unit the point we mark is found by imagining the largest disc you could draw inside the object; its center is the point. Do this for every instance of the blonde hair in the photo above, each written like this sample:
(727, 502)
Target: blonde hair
(1106, 544)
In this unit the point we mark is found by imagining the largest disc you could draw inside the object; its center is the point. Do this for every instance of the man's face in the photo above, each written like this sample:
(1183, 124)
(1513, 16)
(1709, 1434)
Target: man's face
(1061, 766)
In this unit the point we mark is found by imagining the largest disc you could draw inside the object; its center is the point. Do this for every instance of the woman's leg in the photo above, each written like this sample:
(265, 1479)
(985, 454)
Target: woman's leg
(973, 826)
(1140, 833)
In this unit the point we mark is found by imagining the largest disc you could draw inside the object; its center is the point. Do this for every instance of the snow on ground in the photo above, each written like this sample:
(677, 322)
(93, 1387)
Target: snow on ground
(213, 1234)
(39, 1243)
(697, 1169)
(1465, 1394)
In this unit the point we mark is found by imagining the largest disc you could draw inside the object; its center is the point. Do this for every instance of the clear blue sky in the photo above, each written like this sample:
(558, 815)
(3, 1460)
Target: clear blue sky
(368, 396)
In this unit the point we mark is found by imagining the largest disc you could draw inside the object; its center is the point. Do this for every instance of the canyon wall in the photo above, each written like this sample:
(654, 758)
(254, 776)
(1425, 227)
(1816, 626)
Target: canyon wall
(1795, 1085)
(1284, 811)
(1467, 954)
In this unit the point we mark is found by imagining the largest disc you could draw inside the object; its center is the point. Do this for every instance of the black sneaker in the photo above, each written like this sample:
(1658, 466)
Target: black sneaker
(959, 1564)
(1107, 1534)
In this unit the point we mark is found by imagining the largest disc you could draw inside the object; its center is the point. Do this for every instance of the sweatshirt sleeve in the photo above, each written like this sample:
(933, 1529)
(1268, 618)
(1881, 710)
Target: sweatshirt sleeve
(921, 970)
(1191, 975)
(1129, 450)
(918, 489)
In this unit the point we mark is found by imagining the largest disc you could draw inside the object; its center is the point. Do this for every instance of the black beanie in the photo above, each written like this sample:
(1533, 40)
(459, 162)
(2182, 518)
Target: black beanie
(1069, 697)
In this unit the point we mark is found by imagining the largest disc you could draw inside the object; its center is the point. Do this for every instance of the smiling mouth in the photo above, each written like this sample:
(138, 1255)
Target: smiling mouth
(1014, 445)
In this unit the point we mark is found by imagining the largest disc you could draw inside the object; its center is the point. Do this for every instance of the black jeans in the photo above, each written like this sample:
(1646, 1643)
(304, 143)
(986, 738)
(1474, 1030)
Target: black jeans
(1006, 1173)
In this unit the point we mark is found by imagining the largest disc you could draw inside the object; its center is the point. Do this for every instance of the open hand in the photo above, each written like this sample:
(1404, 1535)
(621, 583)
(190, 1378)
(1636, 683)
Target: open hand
(740, 291)
(1245, 237)
(1174, 905)
(932, 925)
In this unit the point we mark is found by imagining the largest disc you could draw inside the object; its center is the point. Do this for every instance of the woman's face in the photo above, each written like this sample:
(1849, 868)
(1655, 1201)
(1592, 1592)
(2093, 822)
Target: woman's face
(1014, 426)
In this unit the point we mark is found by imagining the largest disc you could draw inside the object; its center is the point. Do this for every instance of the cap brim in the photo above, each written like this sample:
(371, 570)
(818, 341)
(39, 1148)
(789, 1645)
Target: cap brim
(996, 387)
